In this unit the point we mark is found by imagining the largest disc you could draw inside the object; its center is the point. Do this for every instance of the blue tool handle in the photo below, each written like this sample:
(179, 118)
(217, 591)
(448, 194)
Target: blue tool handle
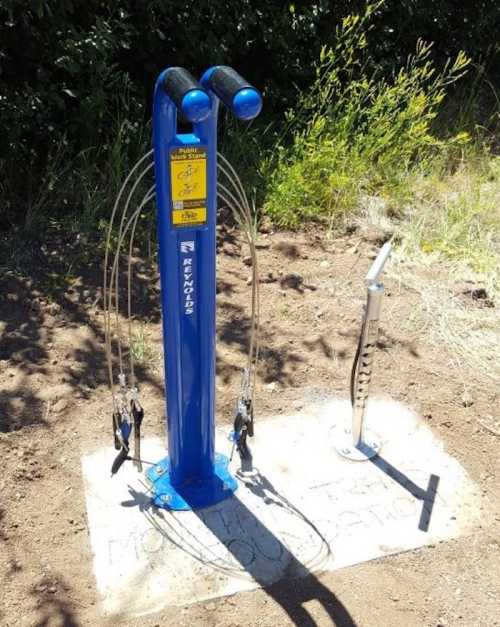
(191, 100)
(235, 92)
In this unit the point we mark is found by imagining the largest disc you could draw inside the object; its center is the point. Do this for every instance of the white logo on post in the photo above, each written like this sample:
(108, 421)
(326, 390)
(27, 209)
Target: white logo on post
(188, 279)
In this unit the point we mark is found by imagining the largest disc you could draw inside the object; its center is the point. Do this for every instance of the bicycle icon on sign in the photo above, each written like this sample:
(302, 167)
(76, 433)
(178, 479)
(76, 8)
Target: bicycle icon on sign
(188, 189)
(188, 172)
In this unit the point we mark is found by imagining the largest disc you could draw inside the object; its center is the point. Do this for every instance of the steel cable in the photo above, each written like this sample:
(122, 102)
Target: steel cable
(236, 199)
(117, 295)
(107, 321)
(115, 270)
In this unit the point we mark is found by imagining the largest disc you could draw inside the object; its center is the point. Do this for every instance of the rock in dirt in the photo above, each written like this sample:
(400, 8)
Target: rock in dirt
(266, 226)
(61, 405)
(49, 321)
(247, 260)
(269, 278)
(467, 399)
(476, 293)
(375, 235)
(74, 372)
(479, 293)
(293, 281)
(53, 308)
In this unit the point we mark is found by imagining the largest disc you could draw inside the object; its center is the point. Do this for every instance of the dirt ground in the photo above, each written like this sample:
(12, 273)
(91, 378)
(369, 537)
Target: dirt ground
(55, 404)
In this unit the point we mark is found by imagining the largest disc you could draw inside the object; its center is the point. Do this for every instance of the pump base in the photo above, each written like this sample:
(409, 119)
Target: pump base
(195, 494)
(369, 447)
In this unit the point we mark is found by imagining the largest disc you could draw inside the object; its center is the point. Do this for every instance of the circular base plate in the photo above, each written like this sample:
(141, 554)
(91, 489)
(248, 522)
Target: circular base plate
(366, 449)
(194, 494)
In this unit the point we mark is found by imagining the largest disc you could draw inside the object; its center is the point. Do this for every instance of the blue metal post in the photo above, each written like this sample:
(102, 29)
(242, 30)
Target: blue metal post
(192, 475)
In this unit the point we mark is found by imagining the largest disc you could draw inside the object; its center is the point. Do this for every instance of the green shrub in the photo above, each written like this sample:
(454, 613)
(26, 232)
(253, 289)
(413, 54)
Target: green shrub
(356, 132)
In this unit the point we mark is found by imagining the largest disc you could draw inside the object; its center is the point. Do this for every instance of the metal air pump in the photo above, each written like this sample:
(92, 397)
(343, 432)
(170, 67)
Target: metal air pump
(357, 443)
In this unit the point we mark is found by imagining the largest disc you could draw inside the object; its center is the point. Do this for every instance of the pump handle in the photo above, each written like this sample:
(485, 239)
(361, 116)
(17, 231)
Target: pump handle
(235, 92)
(378, 265)
(190, 98)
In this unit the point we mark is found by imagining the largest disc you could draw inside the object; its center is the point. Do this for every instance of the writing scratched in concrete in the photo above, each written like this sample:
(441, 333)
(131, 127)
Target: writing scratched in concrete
(240, 539)
(306, 510)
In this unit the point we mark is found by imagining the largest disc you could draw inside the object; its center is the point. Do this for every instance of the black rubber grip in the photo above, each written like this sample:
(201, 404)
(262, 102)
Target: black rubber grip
(226, 83)
(116, 426)
(177, 83)
(119, 460)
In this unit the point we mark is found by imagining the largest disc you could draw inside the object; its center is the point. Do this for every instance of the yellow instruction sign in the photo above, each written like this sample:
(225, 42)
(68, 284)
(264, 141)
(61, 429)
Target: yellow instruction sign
(197, 215)
(188, 176)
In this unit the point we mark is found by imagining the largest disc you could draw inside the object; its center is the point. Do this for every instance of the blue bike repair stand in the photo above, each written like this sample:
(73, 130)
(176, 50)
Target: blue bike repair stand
(192, 476)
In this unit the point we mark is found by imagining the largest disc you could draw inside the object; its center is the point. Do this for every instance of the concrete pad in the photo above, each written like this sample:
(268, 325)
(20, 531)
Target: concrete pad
(303, 509)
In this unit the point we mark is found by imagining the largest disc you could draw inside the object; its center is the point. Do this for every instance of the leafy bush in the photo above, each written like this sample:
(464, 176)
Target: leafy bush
(66, 65)
(356, 131)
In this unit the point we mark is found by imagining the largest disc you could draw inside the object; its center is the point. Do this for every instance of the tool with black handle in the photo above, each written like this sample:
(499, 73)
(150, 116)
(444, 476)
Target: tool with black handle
(137, 416)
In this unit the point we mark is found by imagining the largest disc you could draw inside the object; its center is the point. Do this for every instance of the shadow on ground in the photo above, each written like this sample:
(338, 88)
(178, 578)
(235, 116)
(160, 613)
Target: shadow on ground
(40, 312)
(53, 605)
(291, 584)
(59, 292)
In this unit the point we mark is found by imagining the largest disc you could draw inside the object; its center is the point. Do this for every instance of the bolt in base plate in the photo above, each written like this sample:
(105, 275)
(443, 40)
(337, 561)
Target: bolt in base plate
(366, 449)
(194, 494)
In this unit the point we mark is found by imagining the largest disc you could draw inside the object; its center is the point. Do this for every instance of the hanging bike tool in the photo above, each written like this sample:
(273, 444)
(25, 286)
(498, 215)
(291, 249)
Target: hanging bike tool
(357, 443)
(193, 475)
(243, 422)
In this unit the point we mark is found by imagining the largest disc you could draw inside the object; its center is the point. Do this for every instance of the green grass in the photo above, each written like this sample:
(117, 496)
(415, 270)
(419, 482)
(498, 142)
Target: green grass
(141, 348)
(457, 215)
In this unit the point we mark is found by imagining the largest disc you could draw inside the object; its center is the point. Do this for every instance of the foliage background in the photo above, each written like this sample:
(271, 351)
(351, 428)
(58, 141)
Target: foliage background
(76, 77)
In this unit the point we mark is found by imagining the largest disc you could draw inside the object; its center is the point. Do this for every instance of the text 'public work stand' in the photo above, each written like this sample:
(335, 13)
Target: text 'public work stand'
(357, 443)
(192, 475)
